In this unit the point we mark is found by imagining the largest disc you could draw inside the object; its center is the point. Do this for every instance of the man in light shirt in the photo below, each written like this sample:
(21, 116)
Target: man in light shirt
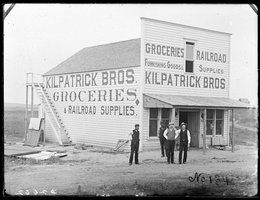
(169, 134)
(184, 135)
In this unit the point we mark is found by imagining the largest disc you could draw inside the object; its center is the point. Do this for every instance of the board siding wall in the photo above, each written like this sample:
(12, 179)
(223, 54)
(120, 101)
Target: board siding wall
(49, 133)
(99, 130)
(175, 35)
(146, 123)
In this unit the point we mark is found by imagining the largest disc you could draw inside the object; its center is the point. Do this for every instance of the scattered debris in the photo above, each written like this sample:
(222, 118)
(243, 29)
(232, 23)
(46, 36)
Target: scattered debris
(43, 155)
(218, 158)
(82, 146)
(229, 148)
(120, 144)
(219, 147)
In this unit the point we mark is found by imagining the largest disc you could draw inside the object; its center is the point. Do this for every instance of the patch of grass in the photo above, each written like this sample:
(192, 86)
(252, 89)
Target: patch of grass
(244, 137)
(247, 117)
(14, 124)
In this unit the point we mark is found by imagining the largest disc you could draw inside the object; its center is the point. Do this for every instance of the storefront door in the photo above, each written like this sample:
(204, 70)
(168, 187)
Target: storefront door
(192, 119)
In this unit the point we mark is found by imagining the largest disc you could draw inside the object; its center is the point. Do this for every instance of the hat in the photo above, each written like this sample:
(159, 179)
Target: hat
(137, 125)
(171, 123)
(183, 123)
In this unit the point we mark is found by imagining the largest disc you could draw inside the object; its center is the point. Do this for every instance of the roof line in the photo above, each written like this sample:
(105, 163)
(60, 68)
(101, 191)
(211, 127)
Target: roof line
(166, 22)
(89, 71)
(110, 43)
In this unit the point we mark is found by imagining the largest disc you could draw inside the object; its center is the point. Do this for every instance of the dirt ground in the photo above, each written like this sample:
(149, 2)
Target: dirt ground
(97, 172)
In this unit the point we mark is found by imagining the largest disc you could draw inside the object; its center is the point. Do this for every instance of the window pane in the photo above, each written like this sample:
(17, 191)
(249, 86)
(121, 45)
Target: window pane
(210, 127)
(189, 66)
(166, 121)
(210, 113)
(153, 113)
(165, 113)
(219, 114)
(153, 128)
(219, 127)
(189, 52)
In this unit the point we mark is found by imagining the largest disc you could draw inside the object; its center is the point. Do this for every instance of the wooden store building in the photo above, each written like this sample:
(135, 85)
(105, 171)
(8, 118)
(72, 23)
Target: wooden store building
(173, 72)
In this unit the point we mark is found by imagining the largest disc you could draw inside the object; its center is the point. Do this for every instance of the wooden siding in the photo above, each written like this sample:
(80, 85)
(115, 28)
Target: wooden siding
(155, 32)
(97, 129)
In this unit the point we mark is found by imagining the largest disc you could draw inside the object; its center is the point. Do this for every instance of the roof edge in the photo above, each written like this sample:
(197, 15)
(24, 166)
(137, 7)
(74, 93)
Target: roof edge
(167, 22)
(48, 72)
(56, 74)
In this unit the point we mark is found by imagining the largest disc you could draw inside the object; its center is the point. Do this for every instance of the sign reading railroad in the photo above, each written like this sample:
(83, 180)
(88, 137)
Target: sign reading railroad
(165, 64)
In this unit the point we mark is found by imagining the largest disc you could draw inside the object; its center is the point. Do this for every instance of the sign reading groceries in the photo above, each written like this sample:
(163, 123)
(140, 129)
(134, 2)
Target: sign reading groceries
(173, 73)
(105, 93)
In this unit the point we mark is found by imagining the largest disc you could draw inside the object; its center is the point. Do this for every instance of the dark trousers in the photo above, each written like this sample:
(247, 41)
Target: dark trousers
(162, 143)
(170, 144)
(134, 150)
(183, 147)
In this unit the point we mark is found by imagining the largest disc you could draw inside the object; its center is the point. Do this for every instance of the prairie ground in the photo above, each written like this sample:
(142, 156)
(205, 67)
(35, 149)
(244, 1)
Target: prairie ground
(95, 171)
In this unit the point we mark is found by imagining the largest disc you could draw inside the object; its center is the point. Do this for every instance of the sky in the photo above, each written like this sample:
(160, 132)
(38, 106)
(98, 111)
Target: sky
(37, 37)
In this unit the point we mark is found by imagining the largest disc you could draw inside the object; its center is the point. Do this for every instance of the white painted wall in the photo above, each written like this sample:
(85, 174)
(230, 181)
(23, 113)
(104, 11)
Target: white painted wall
(98, 129)
(174, 35)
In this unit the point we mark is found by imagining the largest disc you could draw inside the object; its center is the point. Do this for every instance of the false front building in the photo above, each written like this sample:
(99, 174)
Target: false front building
(173, 73)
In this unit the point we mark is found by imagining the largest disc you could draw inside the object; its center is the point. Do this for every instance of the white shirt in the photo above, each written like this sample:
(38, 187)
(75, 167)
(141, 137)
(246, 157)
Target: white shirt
(166, 131)
(178, 133)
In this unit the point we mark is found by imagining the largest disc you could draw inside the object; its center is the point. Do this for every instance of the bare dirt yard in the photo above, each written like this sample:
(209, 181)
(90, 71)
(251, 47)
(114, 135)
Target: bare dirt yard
(99, 171)
(93, 172)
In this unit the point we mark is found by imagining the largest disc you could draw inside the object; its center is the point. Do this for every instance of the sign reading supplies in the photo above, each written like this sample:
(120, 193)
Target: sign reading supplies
(165, 66)
(105, 93)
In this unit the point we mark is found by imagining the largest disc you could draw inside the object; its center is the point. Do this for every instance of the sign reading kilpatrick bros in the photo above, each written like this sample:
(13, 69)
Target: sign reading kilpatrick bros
(102, 93)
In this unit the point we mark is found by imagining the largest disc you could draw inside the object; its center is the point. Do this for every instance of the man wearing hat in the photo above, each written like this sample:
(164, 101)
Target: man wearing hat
(169, 134)
(184, 141)
(134, 137)
(161, 137)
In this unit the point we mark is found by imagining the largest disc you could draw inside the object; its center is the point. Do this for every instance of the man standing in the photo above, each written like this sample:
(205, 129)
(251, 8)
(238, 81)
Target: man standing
(161, 137)
(169, 134)
(184, 141)
(134, 137)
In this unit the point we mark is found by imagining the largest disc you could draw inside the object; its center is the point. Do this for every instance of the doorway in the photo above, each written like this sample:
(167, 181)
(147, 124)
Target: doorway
(193, 122)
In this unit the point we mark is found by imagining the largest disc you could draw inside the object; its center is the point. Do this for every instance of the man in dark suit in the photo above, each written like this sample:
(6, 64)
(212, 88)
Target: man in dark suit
(162, 138)
(134, 137)
(184, 135)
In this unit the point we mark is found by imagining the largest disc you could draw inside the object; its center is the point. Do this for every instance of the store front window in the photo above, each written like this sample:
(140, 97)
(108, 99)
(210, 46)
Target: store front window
(153, 122)
(219, 122)
(210, 122)
(166, 115)
(215, 122)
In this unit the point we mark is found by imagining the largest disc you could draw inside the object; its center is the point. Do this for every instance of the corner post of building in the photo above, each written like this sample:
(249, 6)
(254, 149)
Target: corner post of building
(44, 127)
(32, 97)
(204, 130)
(26, 108)
(232, 130)
(173, 115)
(159, 117)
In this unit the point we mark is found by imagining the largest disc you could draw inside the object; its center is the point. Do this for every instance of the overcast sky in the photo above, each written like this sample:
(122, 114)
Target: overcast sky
(37, 37)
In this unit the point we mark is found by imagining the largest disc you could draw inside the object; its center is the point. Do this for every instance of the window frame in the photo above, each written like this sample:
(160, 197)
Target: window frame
(153, 119)
(214, 131)
(168, 118)
(220, 119)
(189, 42)
(212, 122)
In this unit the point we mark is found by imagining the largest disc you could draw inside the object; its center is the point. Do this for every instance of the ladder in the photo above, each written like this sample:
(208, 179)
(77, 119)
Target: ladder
(52, 115)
